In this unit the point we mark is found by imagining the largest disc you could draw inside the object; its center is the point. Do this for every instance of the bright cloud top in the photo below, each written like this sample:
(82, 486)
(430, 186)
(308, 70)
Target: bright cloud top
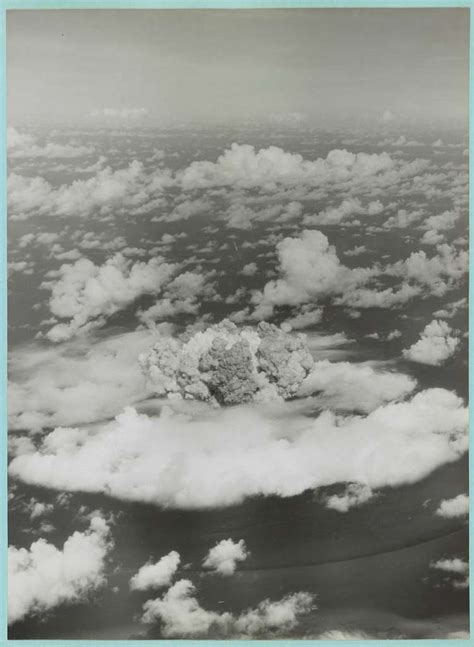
(456, 507)
(223, 557)
(156, 576)
(43, 577)
(435, 346)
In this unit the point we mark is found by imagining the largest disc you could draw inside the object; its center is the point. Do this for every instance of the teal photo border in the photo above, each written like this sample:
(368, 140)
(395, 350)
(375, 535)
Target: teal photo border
(6, 5)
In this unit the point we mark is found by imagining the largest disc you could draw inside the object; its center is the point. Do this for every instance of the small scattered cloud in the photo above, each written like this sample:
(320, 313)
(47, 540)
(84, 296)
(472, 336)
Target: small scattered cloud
(223, 557)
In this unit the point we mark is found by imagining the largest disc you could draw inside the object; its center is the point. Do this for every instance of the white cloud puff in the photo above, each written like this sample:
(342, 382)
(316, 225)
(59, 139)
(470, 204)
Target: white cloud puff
(355, 494)
(156, 576)
(223, 557)
(218, 459)
(435, 346)
(456, 507)
(43, 577)
(86, 293)
(181, 615)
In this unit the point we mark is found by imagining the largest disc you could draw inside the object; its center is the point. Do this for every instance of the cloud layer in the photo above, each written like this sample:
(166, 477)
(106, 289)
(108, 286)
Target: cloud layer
(222, 457)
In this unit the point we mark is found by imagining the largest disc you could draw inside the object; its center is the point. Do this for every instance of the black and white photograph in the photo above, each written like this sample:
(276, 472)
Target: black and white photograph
(238, 323)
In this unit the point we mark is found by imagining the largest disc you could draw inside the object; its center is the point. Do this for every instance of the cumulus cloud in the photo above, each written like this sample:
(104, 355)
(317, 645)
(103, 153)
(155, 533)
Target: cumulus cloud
(355, 494)
(310, 270)
(87, 294)
(268, 168)
(456, 507)
(43, 577)
(437, 273)
(435, 346)
(223, 557)
(228, 365)
(181, 615)
(156, 576)
(221, 457)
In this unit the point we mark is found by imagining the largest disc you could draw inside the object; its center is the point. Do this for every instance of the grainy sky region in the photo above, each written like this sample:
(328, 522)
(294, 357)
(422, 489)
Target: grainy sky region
(330, 65)
(238, 324)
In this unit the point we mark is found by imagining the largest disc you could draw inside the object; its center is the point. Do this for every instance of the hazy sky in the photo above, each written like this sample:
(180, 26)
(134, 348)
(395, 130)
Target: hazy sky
(328, 64)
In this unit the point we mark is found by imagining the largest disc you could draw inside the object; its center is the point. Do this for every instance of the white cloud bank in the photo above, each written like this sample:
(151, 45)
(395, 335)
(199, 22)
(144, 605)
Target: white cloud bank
(49, 386)
(181, 615)
(244, 167)
(156, 576)
(21, 145)
(435, 346)
(354, 387)
(44, 577)
(223, 457)
(223, 557)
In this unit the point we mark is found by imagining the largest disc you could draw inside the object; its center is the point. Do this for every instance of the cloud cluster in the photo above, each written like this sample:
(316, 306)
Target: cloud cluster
(181, 615)
(244, 167)
(87, 294)
(221, 457)
(310, 271)
(435, 346)
(21, 145)
(228, 365)
(156, 576)
(223, 557)
(139, 190)
(108, 191)
(43, 577)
